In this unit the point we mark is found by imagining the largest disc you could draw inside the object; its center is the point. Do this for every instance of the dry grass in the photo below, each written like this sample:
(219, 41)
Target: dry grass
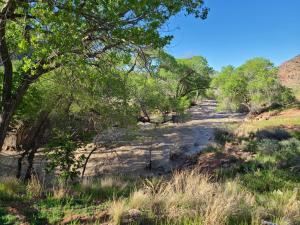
(117, 211)
(60, 191)
(109, 182)
(139, 200)
(34, 188)
(106, 182)
(189, 195)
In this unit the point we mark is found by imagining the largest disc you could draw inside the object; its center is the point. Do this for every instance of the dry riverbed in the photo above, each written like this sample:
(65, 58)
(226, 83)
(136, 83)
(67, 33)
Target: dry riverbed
(169, 145)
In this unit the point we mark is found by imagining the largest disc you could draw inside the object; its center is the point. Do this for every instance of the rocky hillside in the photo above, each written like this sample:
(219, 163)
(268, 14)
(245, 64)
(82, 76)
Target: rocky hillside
(289, 72)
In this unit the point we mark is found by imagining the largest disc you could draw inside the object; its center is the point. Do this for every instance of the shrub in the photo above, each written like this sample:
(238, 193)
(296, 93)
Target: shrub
(289, 156)
(253, 86)
(269, 180)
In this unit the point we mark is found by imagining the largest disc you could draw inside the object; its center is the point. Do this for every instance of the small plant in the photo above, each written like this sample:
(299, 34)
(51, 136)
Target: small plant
(268, 146)
(62, 156)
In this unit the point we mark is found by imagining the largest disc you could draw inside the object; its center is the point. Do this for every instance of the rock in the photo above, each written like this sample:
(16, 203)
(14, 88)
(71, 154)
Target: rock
(289, 72)
(263, 222)
(132, 216)
(134, 213)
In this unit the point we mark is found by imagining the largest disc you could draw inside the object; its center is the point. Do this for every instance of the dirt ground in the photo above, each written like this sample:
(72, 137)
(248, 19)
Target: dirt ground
(170, 145)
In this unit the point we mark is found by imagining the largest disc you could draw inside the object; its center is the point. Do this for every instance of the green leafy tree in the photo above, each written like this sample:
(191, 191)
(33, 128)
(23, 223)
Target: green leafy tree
(46, 35)
(251, 87)
(171, 84)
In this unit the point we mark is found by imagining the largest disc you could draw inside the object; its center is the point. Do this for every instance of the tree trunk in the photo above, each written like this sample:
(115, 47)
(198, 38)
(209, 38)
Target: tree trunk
(20, 161)
(30, 159)
(86, 161)
(9, 109)
(6, 104)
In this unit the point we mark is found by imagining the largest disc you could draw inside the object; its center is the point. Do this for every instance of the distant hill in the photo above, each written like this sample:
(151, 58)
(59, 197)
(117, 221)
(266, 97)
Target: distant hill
(289, 72)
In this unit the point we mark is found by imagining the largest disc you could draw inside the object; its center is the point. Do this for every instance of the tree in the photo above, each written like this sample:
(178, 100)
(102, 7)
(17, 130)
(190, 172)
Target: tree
(171, 85)
(196, 76)
(46, 35)
(252, 87)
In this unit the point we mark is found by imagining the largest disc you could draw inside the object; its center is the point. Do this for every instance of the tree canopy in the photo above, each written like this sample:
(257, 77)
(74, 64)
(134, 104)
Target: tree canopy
(45, 35)
(250, 87)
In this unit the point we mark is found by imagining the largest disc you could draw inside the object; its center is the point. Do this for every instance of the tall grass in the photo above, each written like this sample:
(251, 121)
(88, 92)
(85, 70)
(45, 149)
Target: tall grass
(191, 198)
(189, 195)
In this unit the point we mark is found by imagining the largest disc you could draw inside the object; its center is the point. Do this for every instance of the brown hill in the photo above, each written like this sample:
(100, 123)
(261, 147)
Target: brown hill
(289, 72)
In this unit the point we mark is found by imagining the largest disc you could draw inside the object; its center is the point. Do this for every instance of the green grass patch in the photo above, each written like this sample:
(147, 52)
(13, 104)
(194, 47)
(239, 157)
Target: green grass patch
(270, 180)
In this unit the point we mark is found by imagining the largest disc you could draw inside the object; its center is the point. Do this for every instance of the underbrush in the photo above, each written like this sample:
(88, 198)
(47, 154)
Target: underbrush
(265, 187)
(187, 197)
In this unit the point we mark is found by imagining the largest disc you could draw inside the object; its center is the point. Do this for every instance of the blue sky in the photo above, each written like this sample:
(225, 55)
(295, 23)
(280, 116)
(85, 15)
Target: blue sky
(237, 30)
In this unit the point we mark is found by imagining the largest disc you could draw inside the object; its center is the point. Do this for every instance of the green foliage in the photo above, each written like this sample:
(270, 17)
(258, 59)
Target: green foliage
(10, 189)
(270, 180)
(40, 35)
(274, 165)
(172, 87)
(62, 156)
(7, 219)
(250, 87)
